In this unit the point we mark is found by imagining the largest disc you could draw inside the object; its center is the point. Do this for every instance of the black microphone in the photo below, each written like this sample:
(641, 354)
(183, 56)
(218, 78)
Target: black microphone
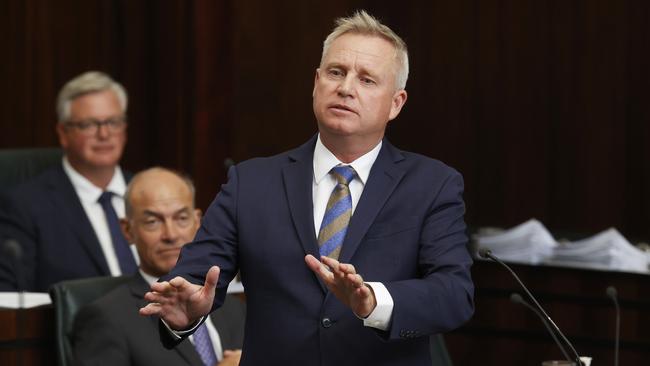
(487, 254)
(517, 299)
(14, 250)
(227, 163)
(613, 294)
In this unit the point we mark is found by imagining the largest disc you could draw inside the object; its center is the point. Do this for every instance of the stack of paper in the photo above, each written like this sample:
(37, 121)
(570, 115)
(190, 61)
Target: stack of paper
(606, 250)
(529, 243)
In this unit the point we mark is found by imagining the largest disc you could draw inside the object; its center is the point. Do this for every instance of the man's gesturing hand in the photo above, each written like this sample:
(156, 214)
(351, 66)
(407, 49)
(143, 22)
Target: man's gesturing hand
(343, 280)
(179, 302)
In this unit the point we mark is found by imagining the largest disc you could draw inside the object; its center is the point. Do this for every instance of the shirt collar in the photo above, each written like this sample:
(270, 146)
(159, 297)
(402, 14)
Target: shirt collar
(89, 192)
(147, 277)
(324, 161)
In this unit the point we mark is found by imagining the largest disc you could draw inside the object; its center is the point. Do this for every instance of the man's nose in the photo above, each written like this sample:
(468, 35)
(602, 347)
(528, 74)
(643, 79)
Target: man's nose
(169, 232)
(346, 86)
(102, 130)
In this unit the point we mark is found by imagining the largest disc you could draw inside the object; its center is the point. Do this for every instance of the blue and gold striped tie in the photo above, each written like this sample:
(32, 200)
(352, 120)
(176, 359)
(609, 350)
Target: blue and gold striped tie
(337, 214)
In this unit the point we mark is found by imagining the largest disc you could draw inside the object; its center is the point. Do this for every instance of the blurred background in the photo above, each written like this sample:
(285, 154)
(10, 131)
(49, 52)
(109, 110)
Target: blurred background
(541, 105)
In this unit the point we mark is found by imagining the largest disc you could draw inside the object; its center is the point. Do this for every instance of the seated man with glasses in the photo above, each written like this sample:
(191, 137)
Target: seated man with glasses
(66, 220)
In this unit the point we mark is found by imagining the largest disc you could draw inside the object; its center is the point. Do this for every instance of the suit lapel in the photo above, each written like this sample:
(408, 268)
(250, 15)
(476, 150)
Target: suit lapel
(384, 177)
(185, 349)
(67, 203)
(298, 180)
(298, 177)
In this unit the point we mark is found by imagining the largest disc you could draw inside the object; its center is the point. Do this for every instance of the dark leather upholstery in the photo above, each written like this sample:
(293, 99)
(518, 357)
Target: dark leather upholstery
(18, 165)
(68, 297)
(439, 354)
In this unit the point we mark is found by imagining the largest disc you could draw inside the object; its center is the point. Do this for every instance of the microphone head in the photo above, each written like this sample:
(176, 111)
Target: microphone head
(611, 292)
(516, 298)
(13, 248)
(228, 162)
(484, 253)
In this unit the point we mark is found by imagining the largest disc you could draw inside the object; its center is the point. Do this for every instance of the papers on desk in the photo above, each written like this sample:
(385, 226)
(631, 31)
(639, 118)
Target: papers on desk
(532, 243)
(11, 300)
(529, 243)
(606, 250)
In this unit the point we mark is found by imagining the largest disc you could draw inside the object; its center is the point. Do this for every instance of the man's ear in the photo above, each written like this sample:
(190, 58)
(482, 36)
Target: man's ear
(197, 218)
(399, 99)
(125, 225)
(63, 138)
(313, 92)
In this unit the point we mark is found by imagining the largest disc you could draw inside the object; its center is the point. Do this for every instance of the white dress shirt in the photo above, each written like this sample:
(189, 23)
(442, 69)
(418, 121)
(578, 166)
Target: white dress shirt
(88, 194)
(322, 187)
(212, 331)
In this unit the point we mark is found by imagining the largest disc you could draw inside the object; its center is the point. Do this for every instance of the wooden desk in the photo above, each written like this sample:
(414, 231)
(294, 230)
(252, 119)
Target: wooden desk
(504, 333)
(29, 344)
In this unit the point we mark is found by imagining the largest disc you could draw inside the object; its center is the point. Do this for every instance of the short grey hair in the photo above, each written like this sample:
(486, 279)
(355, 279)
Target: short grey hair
(129, 188)
(88, 82)
(363, 23)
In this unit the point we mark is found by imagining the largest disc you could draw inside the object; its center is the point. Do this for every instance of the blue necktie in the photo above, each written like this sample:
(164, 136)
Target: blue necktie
(122, 250)
(203, 345)
(337, 214)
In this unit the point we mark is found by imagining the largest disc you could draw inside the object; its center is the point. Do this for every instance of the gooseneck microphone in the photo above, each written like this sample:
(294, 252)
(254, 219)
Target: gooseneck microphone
(613, 294)
(487, 254)
(14, 250)
(517, 299)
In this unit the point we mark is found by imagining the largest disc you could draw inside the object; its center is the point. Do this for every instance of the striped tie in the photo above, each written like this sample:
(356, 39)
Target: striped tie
(337, 214)
(204, 347)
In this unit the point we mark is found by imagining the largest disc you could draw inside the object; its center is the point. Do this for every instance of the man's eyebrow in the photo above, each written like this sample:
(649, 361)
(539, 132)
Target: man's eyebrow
(181, 210)
(152, 213)
(160, 215)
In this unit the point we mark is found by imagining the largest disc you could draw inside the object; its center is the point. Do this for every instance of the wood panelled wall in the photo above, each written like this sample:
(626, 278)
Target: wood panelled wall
(542, 105)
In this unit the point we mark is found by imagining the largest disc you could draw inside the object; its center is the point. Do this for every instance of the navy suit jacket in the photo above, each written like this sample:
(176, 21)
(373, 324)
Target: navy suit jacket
(110, 331)
(407, 232)
(59, 243)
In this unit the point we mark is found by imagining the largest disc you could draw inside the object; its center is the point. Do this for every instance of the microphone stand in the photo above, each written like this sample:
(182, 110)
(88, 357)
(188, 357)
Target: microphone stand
(517, 299)
(613, 294)
(486, 253)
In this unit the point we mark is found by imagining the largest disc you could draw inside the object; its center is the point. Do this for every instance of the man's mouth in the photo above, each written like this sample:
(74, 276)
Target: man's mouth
(342, 107)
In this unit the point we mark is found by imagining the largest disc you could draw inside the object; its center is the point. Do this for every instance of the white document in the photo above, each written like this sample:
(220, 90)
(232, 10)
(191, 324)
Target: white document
(11, 300)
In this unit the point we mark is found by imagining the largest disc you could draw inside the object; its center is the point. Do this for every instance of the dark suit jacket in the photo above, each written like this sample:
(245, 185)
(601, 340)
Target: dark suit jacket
(407, 231)
(47, 219)
(110, 331)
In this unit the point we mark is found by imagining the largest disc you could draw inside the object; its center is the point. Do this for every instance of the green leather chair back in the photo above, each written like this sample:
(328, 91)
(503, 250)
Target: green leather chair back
(18, 165)
(439, 354)
(68, 297)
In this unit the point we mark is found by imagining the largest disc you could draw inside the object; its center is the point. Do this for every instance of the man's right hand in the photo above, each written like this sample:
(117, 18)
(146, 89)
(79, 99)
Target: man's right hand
(180, 303)
(230, 358)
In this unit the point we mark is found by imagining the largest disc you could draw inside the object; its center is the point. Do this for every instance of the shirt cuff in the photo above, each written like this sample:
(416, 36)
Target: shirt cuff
(178, 334)
(380, 317)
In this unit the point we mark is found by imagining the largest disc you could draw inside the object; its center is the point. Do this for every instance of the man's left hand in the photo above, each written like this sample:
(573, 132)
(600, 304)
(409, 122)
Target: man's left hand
(346, 284)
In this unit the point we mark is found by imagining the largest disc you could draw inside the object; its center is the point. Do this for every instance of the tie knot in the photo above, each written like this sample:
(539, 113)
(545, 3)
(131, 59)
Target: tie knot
(105, 197)
(343, 174)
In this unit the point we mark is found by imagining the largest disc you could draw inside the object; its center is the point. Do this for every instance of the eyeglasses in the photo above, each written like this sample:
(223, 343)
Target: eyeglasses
(91, 126)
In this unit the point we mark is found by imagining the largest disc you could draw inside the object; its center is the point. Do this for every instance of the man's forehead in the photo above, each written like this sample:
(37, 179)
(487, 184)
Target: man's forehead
(360, 47)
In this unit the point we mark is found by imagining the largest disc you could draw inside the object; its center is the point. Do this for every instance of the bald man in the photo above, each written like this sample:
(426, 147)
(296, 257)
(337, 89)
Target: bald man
(160, 219)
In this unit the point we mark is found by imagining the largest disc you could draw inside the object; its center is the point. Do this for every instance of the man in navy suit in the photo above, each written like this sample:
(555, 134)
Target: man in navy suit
(351, 251)
(160, 219)
(66, 219)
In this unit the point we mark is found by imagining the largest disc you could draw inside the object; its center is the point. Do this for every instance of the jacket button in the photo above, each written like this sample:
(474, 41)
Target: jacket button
(326, 322)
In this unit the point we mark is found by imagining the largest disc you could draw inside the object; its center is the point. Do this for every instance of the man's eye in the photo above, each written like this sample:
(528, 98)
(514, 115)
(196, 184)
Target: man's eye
(84, 125)
(367, 81)
(151, 223)
(335, 72)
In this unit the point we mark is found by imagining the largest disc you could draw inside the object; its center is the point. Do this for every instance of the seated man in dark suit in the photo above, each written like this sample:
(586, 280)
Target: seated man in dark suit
(161, 218)
(66, 219)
